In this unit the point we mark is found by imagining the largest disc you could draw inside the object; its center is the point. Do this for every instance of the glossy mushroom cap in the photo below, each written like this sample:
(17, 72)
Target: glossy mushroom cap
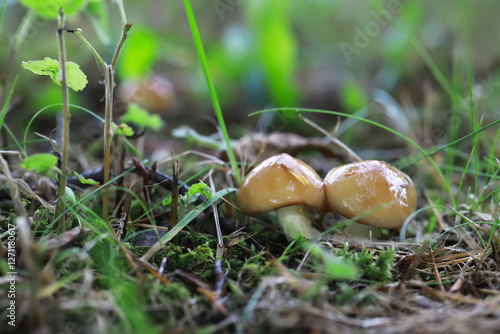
(382, 195)
(278, 182)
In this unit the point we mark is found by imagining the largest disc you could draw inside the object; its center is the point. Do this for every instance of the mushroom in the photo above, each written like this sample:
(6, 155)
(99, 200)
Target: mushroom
(288, 186)
(373, 192)
(154, 93)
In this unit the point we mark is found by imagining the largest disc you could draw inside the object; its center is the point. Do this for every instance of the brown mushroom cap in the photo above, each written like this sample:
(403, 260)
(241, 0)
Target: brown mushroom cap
(154, 93)
(278, 182)
(361, 187)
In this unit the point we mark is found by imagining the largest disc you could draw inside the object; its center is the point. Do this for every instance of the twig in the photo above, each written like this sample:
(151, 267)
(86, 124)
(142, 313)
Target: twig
(175, 197)
(78, 32)
(152, 270)
(60, 208)
(13, 188)
(108, 88)
(109, 78)
(334, 140)
(220, 242)
(109, 83)
(119, 47)
(436, 271)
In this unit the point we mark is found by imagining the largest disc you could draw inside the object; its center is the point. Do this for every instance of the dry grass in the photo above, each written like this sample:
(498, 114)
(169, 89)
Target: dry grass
(93, 280)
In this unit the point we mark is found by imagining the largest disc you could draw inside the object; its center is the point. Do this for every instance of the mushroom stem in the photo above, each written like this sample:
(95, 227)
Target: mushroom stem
(357, 230)
(295, 220)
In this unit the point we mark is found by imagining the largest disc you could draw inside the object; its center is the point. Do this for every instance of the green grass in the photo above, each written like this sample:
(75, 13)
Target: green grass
(105, 280)
(7, 100)
(213, 94)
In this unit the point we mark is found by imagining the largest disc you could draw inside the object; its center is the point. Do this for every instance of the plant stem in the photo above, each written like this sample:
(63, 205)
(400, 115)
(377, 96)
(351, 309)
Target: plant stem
(109, 82)
(78, 32)
(108, 93)
(122, 12)
(2, 12)
(333, 139)
(119, 47)
(60, 208)
(213, 94)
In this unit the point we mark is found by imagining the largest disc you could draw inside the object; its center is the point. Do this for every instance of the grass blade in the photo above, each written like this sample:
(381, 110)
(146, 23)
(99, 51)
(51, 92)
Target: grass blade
(6, 104)
(184, 221)
(213, 94)
(2, 13)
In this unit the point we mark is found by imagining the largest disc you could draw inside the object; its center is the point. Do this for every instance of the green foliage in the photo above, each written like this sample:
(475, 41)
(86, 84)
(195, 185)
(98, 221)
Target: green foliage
(139, 54)
(200, 258)
(195, 190)
(200, 188)
(69, 194)
(141, 117)
(238, 259)
(123, 129)
(2, 13)
(131, 299)
(348, 295)
(50, 8)
(277, 51)
(336, 267)
(6, 104)
(177, 293)
(353, 96)
(77, 80)
(98, 13)
(191, 136)
(213, 94)
(41, 162)
(375, 266)
(84, 180)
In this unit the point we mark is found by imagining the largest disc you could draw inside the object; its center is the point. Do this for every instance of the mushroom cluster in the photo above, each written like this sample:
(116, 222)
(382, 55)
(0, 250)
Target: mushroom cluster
(372, 192)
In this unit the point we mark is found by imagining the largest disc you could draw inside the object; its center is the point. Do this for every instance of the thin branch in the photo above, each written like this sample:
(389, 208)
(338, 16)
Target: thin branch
(66, 121)
(108, 88)
(122, 11)
(119, 47)
(334, 140)
(78, 32)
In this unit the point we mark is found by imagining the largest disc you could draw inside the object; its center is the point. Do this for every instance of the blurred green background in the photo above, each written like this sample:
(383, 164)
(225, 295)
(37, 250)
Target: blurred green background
(402, 63)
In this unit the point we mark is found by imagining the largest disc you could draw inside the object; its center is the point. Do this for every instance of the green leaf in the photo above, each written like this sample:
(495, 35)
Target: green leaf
(141, 117)
(198, 189)
(50, 8)
(167, 200)
(77, 80)
(70, 195)
(84, 180)
(40, 162)
(47, 66)
(124, 130)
